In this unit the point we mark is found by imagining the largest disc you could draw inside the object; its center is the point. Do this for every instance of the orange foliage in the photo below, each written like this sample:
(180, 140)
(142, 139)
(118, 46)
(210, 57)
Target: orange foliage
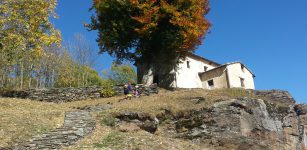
(151, 28)
(191, 20)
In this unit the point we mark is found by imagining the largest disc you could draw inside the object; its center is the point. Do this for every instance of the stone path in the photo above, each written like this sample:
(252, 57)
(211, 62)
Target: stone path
(77, 124)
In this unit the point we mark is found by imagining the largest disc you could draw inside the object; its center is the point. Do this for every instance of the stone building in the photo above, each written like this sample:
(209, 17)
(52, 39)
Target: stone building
(198, 72)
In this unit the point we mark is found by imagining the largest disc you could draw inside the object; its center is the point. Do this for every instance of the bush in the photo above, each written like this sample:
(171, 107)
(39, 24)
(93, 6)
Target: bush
(107, 119)
(107, 89)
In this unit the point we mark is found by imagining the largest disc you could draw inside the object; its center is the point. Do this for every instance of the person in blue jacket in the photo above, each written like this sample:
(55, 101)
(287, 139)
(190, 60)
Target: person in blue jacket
(127, 92)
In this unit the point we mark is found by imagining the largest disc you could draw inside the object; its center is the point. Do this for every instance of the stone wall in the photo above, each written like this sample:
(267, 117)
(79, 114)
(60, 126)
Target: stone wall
(276, 95)
(59, 95)
(56, 95)
(152, 89)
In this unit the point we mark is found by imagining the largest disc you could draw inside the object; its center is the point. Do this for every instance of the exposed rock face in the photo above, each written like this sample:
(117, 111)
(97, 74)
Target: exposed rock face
(242, 124)
(277, 95)
(142, 120)
(128, 127)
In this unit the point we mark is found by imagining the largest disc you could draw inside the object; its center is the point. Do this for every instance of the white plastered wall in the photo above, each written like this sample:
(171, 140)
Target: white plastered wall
(235, 73)
(219, 82)
(188, 77)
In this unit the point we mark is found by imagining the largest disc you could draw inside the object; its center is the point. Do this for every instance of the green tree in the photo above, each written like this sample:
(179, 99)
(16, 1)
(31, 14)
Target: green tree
(120, 74)
(30, 52)
(93, 77)
(84, 54)
(25, 25)
(25, 30)
(156, 32)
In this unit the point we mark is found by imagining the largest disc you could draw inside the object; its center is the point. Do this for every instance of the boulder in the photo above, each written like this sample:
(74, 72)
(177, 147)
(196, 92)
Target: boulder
(144, 121)
(128, 127)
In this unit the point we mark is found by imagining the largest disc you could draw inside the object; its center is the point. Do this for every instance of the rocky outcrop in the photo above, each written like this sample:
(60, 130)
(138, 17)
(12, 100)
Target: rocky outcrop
(276, 95)
(144, 121)
(241, 124)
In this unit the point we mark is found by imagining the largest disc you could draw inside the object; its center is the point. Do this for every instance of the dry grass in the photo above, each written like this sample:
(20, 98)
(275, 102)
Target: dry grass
(21, 119)
(105, 137)
(176, 101)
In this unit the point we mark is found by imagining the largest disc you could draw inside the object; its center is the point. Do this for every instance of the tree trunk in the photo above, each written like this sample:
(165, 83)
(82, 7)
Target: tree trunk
(37, 83)
(30, 76)
(21, 75)
(78, 80)
(38, 78)
(15, 79)
(83, 78)
(70, 81)
(52, 84)
(145, 74)
(86, 79)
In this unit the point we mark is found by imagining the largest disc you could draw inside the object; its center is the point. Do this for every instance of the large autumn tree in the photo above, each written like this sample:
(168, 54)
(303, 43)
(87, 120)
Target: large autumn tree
(31, 55)
(25, 30)
(155, 32)
(25, 25)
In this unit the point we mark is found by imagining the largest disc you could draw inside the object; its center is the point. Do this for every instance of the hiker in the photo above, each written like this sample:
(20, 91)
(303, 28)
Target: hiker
(136, 91)
(130, 88)
(127, 92)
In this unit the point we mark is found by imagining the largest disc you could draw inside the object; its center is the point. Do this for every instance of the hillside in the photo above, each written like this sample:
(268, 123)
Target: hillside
(182, 119)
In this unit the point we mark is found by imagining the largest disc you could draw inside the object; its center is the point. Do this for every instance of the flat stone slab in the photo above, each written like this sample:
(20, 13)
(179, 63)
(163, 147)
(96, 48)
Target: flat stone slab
(77, 124)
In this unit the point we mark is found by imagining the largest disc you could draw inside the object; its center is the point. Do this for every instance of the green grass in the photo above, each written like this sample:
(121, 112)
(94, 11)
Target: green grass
(22, 119)
(107, 119)
(113, 139)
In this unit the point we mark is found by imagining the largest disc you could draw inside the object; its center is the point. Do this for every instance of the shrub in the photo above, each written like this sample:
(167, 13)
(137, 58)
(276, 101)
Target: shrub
(107, 119)
(107, 89)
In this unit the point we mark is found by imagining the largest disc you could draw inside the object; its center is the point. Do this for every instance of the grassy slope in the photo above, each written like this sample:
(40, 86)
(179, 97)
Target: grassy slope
(21, 119)
(106, 137)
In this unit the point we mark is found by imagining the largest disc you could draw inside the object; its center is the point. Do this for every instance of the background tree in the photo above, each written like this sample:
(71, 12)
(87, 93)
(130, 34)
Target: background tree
(67, 72)
(31, 55)
(157, 32)
(82, 50)
(120, 74)
(25, 30)
(84, 54)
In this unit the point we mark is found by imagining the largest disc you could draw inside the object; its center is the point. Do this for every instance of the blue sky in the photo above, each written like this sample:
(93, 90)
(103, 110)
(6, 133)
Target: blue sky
(269, 36)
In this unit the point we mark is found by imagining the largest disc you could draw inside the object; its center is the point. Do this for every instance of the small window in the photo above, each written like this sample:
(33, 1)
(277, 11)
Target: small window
(205, 68)
(188, 64)
(242, 68)
(242, 82)
(210, 83)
